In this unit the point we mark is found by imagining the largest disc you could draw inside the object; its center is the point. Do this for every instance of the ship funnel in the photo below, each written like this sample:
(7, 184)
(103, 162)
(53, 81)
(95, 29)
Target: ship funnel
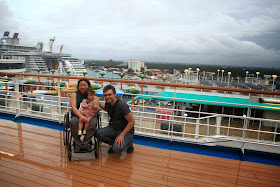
(6, 33)
(15, 35)
(49, 47)
(39, 46)
(15, 39)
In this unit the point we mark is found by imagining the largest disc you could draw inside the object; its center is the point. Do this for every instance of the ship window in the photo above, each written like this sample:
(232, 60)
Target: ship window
(11, 66)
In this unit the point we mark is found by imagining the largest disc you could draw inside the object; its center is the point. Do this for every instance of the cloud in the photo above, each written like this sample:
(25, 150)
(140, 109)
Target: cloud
(221, 31)
(7, 21)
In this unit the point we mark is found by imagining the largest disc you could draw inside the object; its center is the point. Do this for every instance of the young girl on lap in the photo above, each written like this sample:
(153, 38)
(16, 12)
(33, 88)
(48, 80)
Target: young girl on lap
(86, 105)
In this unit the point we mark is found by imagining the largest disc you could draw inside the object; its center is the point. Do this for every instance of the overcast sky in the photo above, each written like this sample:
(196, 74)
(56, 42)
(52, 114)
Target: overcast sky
(226, 32)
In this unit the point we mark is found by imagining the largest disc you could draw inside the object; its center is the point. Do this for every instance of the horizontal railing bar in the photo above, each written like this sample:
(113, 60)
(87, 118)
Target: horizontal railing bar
(150, 83)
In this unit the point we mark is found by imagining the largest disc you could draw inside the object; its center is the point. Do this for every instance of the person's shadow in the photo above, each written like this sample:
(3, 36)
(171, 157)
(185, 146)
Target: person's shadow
(118, 167)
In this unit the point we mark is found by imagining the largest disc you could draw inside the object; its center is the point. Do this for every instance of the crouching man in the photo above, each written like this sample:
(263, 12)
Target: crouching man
(120, 131)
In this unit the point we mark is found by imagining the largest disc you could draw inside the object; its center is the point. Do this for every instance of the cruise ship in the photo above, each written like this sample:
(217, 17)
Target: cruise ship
(185, 135)
(15, 57)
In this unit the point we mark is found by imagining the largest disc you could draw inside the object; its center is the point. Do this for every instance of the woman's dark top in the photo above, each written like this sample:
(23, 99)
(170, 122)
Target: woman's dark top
(79, 99)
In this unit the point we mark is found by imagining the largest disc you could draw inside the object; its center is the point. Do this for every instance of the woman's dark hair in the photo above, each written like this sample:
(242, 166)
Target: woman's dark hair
(109, 87)
(89, 90)
(83, 79)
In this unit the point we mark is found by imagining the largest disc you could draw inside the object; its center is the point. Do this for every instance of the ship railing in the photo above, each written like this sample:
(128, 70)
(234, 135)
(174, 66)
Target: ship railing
(151, 118)
(212, 124)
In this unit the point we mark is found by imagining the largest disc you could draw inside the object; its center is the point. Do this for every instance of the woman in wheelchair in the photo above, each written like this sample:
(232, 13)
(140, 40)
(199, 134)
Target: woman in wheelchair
(76, 116)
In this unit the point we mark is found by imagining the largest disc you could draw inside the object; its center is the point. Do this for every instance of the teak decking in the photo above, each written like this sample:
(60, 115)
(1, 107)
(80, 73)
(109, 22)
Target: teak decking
(35, 156)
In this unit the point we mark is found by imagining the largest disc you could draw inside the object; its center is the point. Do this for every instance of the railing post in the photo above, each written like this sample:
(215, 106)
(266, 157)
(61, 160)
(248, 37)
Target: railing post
(246, 124)
(132, 101)
(260, 124)
(59, 95)
(197, 128)
(17, 98)
(275, 131)
(39, 83)
(208, 122)
(218, 124)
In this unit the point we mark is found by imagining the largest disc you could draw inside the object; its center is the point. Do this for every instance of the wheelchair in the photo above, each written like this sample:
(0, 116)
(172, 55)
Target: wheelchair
(68, 139)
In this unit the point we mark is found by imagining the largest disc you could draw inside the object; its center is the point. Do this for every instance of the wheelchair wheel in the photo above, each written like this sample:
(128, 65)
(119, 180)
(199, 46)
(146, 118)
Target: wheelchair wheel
(69, 155)
(96, 147)
(96, 141)
(65, 126)
(69, 144)
(96, 154)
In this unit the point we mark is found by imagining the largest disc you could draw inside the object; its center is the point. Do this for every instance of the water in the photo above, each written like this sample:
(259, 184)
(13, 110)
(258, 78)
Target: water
(109, 75)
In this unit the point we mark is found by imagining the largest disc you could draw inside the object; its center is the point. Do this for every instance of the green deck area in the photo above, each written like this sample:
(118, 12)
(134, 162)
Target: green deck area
(215, 100)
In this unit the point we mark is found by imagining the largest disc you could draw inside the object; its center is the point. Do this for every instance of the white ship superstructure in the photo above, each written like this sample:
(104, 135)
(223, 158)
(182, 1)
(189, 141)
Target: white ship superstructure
(74, 65)
(21, 58)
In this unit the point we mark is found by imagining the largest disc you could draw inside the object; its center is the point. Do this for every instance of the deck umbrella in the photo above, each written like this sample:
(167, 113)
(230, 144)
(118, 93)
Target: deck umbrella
(39, 91)
(99, 92)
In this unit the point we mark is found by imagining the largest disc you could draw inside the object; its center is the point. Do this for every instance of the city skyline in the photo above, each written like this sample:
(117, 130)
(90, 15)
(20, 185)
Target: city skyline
(241, 33)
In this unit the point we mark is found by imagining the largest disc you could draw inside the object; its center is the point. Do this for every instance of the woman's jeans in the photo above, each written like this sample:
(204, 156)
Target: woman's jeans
(108, 136)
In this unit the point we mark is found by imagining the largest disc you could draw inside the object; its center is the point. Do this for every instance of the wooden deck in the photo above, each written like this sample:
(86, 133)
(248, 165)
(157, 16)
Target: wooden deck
(35, 156)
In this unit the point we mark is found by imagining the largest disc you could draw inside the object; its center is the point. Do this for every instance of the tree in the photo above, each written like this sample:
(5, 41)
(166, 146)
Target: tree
(130, 70)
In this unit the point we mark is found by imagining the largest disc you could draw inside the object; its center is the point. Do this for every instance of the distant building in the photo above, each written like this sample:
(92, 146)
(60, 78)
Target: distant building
(135, 64)
(176, 72)
(110, 64)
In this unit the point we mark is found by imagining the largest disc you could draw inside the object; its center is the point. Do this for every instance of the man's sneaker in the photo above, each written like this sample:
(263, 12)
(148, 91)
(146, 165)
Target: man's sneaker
(110, 150)
(77, 149)
(130, 149)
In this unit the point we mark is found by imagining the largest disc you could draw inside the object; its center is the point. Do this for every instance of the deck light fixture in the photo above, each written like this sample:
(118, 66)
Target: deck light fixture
(197, 70)
(229, 73)
(85, 72)
(186, 73)
(53, 77)
(122, 75)
(95, 87)
(142, 76)
(274, 77)
(102, 75)
(222, 75)
(257, 73)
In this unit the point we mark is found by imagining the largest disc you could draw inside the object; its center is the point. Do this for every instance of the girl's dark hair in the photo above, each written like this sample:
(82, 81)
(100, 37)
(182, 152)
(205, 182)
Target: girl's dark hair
(89, 90)
(83, 79)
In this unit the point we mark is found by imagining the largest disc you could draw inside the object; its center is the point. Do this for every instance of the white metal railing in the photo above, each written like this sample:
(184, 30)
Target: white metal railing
(204, 128)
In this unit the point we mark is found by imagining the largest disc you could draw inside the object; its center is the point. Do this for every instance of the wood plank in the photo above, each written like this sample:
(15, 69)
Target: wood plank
(28, 128)
(50, 174)
(7, 183)
(18, 179)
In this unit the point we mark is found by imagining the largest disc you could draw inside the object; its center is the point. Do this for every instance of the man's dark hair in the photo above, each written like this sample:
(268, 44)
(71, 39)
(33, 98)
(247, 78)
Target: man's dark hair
(109, 87)
(83, 79)
(89, 90)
